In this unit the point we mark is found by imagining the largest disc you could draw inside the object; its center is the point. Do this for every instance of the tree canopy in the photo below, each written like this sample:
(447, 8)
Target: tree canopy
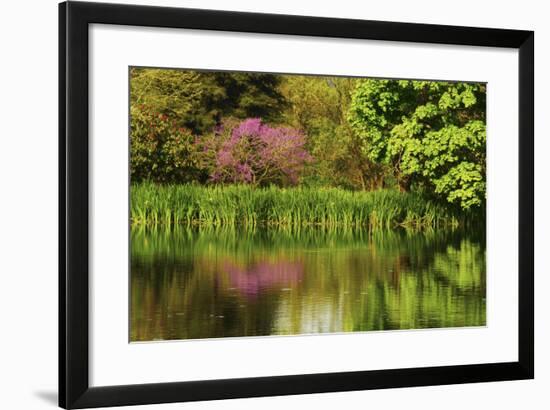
(428, 133)
(357, 134)
(199, 100)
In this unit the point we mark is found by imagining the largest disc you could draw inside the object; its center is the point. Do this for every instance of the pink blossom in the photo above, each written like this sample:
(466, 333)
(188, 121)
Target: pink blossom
(258, 154)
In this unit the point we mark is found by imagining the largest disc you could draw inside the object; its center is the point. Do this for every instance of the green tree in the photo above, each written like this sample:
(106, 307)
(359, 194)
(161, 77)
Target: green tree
(319, 106)
(160, 150)
(429, 133)
(244, 95)
(199, 100)
(174, 93)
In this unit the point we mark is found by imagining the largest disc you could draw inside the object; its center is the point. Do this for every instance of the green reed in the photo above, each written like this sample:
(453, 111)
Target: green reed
(286, 208)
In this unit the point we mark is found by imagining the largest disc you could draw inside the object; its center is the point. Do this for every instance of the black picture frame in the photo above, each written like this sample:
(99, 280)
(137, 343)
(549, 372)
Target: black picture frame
(74, 388)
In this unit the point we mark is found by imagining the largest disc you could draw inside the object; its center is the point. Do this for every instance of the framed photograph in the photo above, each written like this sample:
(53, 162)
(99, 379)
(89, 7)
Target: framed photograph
(256, 204)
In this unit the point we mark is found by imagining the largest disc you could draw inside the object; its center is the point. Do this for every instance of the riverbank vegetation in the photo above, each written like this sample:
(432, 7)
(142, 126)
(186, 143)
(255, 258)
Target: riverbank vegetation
(252, 149)
(284, 208)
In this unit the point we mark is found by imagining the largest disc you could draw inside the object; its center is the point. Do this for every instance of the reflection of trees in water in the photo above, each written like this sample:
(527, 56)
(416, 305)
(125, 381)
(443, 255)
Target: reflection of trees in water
(189, 284)
(252, 279)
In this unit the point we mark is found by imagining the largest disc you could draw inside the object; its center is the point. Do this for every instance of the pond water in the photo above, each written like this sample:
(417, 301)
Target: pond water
(192, 284)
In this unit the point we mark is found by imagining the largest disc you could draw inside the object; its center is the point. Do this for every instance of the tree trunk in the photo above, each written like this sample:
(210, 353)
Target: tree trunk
(362, 179)
(404, 184)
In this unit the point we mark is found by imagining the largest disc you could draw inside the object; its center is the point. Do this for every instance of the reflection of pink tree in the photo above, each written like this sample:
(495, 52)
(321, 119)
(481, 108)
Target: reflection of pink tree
(263, 275)
(258, 154)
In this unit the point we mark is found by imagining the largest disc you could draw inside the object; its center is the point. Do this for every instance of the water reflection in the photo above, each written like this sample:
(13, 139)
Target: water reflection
(189, 284)
(262, 276)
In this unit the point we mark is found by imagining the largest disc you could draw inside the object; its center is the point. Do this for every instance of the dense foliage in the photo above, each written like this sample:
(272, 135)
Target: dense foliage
(426, 132)
(319, 106)
(220, 128)
(199, 100)
(257, 154)
(160, 150)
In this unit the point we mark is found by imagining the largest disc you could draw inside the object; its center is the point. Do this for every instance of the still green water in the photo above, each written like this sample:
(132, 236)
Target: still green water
(191, 284)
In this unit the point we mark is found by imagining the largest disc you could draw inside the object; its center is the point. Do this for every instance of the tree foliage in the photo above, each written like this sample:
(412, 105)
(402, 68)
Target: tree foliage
(199, 100)
(319, 106)
(160, 150)
(261, 129)
(254, 153)
(429, 133)
(174, 93)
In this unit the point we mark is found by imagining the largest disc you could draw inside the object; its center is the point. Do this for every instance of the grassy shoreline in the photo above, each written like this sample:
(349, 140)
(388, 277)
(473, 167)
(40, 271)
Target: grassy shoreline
(245, 206)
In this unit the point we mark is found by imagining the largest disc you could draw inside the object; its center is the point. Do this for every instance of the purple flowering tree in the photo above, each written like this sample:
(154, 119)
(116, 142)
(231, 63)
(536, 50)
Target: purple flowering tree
(255, 153)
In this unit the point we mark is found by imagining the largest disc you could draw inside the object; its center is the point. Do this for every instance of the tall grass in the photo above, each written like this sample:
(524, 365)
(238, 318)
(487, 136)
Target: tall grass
(286, 208)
